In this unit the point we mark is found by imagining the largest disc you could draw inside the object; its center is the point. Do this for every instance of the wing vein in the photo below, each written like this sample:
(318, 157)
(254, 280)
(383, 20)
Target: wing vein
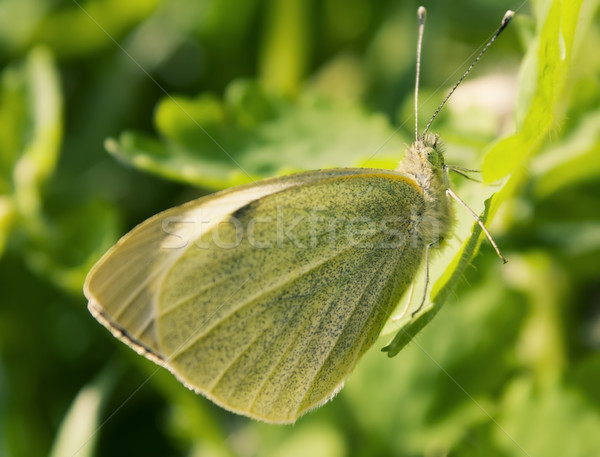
(292, 343)
(356, 307)
(287, 279)
(191, 296)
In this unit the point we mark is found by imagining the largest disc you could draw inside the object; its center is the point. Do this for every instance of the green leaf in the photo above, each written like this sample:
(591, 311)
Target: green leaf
(78, 432)
(548, 61)
(253, 135)
(454, 355)
(505, 157)
(441, 290)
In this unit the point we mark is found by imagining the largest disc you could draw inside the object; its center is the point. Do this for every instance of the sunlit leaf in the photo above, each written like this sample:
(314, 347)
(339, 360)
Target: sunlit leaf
(513, 150)
(80, 427)
(252, 135)
(547, 63)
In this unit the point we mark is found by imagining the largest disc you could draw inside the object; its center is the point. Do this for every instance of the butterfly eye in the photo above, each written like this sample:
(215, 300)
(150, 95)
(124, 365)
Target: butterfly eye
(433, 157)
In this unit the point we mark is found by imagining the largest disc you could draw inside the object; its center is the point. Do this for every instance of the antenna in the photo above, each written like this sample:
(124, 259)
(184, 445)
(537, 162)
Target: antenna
(421, 15)
(505, 20)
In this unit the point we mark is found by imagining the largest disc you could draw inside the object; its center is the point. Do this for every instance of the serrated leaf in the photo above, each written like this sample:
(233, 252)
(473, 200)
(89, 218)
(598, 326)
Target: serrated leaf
(253, 135)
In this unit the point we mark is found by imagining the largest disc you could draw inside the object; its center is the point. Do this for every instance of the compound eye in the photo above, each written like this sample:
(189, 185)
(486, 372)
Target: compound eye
(433, 157)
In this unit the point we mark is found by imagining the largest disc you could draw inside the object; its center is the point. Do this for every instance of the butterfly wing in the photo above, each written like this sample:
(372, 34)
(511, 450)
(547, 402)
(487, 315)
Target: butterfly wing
(122, 288)
(264, 297)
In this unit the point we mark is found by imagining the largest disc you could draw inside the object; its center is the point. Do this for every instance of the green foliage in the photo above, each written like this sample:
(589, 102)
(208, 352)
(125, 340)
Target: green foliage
(510, 364)
(30, 136)
(549, 59)
(251, 135)
(555, 50)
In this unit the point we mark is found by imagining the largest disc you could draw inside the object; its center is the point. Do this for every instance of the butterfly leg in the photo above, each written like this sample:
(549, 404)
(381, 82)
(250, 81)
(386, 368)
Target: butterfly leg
(476, 217)
(403, 313)
(426, 279)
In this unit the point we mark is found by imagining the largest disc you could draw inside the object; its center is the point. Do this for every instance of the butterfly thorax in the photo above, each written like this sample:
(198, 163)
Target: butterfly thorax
(424, 162)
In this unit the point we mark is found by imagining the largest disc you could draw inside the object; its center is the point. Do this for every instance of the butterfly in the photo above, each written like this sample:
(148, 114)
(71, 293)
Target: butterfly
(263, 297)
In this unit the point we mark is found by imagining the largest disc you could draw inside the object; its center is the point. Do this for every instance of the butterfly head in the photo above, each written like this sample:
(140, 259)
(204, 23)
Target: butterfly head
(429, 151)
(424, 158)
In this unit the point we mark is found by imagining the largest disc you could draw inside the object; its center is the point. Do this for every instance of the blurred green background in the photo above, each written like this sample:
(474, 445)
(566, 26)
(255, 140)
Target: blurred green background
(106, 113)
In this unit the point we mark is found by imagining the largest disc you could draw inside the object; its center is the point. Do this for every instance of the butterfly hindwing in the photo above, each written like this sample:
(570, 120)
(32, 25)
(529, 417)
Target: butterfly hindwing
(265, 306)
